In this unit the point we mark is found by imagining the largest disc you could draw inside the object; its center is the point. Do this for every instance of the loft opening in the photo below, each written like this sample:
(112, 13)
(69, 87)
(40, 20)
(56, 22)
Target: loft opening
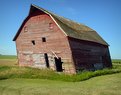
(51, 25)
(33, 42)
(25, 29)
(43, 39)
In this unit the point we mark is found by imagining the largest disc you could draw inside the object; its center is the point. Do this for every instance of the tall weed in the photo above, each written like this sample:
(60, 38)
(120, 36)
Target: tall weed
(7, 72)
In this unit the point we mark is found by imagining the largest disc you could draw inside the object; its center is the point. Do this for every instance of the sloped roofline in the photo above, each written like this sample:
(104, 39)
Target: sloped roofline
(60, 23)
(45, 11)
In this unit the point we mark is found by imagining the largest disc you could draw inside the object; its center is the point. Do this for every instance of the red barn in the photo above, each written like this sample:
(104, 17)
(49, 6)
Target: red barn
(46, 40)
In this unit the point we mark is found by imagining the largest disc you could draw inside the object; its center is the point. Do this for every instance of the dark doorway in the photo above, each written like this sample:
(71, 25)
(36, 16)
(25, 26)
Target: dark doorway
(58, 64)
(46, 60)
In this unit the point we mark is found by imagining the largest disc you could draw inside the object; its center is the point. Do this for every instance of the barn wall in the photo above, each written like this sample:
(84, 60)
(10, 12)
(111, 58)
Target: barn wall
(36, 27)
(89, 56)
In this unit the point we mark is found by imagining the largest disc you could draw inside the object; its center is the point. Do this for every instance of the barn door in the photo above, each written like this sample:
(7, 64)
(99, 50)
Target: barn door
(58, 64)
(46, 60)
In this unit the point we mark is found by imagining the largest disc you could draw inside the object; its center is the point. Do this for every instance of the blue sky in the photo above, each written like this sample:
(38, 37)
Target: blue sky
(104, 16)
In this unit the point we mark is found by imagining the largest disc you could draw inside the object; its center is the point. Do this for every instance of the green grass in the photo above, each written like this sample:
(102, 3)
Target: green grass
(116, 61)
(102, 85)
(7, 72)
(16, 80)
(8, 57)
(9, 69)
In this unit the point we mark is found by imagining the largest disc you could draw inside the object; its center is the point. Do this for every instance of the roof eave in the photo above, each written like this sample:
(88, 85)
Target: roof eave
(89, 41)
(34, 6)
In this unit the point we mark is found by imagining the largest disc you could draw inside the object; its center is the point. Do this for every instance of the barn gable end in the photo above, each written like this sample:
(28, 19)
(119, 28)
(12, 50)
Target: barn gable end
(40, 40)
(71, 28)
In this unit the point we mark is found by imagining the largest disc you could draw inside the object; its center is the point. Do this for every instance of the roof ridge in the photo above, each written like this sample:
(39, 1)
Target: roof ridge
(71, 20)
(67, 19)
(69, 27)
(54, 14)
(76, 29)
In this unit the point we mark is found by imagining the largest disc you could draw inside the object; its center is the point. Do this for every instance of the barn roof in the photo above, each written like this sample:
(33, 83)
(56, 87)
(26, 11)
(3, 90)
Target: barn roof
(70, 28)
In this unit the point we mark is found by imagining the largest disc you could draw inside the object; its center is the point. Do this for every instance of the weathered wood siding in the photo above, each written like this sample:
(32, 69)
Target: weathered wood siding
(41, 40)
(38, 26)
(88, 55)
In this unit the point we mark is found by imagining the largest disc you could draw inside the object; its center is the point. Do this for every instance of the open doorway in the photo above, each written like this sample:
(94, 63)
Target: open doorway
(46, 60)
(58, 64)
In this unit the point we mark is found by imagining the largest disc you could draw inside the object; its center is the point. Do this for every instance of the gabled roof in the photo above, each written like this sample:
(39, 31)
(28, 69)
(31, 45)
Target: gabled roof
(70, 28)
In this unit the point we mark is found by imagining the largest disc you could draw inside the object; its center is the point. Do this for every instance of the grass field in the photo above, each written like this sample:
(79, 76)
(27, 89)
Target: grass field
(23, 81)
(102, 85)
(8, 60)
(8, 57)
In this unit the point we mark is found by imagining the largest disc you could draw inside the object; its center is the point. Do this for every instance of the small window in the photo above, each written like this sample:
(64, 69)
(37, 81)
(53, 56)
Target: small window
(51, 25)
(43, 39)
(33, 42)
(25, 29)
